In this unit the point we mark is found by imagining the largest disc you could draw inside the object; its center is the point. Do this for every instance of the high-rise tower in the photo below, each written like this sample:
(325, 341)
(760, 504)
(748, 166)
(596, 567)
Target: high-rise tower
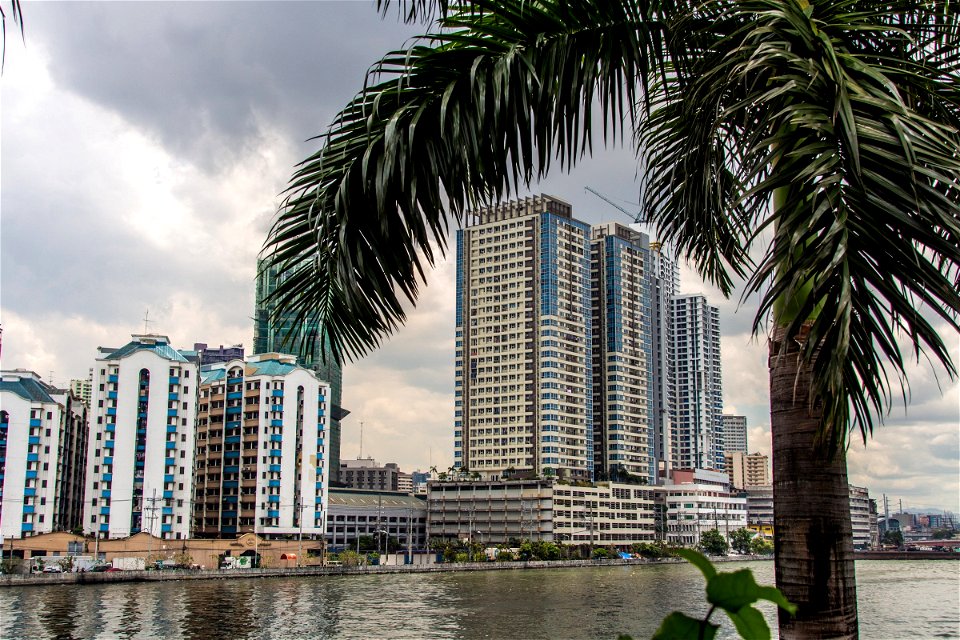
(286, 335)
(524, 381)
(622, 354)
(663, 282)
(696, 429)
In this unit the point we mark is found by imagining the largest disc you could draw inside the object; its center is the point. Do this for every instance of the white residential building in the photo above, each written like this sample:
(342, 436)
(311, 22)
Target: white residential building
(262, 431)
(43, 434)
(697, 436)
(141, 447)
(860, 519)
(607, 514)
(734, 433)
(697, 501)
(83, 388)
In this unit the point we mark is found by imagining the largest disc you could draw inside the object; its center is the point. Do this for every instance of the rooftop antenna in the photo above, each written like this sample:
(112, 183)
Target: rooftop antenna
(361, 441)
(146, 320)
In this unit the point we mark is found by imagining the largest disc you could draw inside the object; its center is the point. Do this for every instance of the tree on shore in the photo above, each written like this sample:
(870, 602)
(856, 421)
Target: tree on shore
(740, 540)
(713, 543)
(823, 133)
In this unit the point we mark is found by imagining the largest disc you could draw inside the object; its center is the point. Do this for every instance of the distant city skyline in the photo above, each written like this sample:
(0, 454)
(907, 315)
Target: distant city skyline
(145, 148)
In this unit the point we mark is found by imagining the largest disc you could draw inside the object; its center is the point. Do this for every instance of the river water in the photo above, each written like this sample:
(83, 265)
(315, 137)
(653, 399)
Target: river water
(897, 599)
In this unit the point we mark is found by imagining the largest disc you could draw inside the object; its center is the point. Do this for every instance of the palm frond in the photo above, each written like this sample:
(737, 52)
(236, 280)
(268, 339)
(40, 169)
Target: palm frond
(848, 111)
(16, 14)
(463, 117)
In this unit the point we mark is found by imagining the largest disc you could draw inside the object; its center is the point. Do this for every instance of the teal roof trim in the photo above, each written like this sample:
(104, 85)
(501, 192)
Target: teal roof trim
(163, 350)
(272, 368)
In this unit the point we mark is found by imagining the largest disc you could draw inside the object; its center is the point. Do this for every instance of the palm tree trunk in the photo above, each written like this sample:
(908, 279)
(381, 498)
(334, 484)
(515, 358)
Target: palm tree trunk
(811, 508)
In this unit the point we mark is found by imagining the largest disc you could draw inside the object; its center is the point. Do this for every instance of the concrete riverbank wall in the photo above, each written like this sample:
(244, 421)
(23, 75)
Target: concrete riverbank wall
(19, 580)
(38, 579)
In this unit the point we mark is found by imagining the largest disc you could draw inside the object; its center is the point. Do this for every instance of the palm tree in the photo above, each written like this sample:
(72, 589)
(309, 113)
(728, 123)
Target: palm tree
(823, 133)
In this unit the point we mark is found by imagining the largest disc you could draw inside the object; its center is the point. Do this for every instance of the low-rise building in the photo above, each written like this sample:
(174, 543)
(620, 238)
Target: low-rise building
(358, 512)
(697, 501)
(501, 511)
(760, 505)
(404, 482)
(142, 550)
(365, 473)
(608, 514)
(43, 440)
(497, 511)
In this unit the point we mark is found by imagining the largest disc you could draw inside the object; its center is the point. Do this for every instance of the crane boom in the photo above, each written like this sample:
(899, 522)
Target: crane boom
(636, 217)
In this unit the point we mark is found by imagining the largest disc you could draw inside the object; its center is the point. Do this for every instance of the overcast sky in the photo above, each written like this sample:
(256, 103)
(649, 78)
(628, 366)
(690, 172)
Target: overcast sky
(144, 146)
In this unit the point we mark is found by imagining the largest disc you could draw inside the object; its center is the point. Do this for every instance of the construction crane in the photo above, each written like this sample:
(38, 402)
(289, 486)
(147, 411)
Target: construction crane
(636, 217)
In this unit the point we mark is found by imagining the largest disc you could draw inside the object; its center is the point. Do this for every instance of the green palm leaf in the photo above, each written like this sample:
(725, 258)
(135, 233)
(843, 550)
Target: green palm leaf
(463, 117)
(848, 111)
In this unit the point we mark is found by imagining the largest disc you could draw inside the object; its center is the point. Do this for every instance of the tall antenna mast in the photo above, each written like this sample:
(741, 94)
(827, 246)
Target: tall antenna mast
(146, 320)
(361, 441)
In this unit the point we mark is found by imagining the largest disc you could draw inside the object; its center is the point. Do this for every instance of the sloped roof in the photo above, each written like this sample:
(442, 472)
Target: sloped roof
(162, 349)
(29, 389)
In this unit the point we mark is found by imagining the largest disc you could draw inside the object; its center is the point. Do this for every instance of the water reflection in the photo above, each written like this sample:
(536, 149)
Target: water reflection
(555, 604)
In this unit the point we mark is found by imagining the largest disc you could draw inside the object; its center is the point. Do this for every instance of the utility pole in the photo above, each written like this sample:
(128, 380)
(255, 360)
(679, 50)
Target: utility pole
(153, 514)
(410, 536)
(300, 533)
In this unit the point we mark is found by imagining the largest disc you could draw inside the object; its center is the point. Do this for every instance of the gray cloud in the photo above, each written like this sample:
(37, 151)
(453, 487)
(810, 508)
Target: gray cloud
(207, 77)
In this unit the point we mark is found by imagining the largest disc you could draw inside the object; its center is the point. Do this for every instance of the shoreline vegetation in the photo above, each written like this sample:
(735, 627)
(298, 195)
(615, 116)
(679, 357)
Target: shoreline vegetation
(44, 579)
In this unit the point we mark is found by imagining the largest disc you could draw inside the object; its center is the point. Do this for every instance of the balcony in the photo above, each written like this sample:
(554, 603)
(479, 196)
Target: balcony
(36, 422)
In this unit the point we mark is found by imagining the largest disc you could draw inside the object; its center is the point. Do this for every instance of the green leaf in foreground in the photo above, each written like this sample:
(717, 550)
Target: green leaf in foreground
(772, 594)
(750, 623)
(733, 591)
(678, 626)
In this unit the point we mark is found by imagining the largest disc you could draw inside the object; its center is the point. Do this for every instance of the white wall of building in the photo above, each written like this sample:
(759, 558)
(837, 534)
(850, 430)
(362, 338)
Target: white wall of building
(167, 477)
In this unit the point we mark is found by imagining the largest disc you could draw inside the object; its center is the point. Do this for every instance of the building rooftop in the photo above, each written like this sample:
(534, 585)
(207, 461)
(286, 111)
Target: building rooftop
(156, 343)
(27, 385)
(265, 364)
(369, 498)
